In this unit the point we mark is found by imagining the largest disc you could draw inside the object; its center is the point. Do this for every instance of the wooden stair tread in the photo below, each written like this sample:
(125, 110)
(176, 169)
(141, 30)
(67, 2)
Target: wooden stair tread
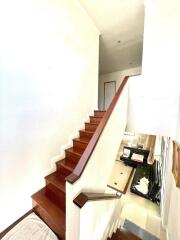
(52, 211)
(91, 126)
(68, 165)
(96, 124)
(86, 134)
(100, 111)
(75, 151)
(41, 198)
(50, 202)
(95, 119)
(57, 181)
(123, 234)
(95, 116)
(87, 131)
(82, 139)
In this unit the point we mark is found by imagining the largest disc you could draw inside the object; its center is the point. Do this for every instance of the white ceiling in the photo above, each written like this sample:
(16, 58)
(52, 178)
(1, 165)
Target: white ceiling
(118, 20)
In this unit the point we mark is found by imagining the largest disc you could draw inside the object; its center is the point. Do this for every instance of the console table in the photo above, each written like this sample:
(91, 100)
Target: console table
(128, 161)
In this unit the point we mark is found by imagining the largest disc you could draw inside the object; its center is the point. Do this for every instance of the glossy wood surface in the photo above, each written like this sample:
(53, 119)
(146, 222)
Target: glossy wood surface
(49, 203)
(88, 151)
(123, 234)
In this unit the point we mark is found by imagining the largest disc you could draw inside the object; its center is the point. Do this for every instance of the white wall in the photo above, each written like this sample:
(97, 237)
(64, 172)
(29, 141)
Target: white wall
(161, 88)
(160, 68)
(48, 87)
(114, 76)
(149, 114)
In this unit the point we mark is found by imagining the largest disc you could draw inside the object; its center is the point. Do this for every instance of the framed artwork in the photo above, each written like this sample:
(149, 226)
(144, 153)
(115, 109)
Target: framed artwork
(176, 163)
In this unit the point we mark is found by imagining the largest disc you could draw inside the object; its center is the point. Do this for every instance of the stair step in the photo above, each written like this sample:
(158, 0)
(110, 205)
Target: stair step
(56, 181)
(50, 212)
(56, 195)
(99, 113)
(96, 119)
(80, 143)
(55, 189)
(65, 168)
(86, 134)
(91, 126)
(73, 155)
(50, 202)
(123, 234)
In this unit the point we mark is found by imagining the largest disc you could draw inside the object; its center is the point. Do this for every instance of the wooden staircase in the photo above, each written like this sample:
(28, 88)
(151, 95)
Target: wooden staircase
(123, 234)
(50, 202)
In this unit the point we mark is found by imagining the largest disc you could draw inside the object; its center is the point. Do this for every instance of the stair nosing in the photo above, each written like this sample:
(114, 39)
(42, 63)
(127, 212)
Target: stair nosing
(52, 204)
(79, 140)
(74, 151)
(63, 189)
(92, 123)
(61, 162)
(47, 198)
(87, 131)
(99, 110)
(96, 116)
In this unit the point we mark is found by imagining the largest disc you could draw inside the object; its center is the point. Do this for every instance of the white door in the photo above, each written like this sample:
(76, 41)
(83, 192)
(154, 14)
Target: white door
(109, 92)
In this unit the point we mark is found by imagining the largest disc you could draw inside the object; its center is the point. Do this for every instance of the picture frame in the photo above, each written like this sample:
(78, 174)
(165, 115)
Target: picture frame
(176, 163)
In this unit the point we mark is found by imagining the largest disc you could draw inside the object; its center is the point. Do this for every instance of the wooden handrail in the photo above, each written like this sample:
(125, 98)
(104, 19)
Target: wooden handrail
(75, 175)
(83, 198)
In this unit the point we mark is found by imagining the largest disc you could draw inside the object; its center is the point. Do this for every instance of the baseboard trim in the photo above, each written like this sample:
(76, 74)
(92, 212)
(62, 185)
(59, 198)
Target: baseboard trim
(167, 235)
(3, 233)
(61, 152)
(166, 230)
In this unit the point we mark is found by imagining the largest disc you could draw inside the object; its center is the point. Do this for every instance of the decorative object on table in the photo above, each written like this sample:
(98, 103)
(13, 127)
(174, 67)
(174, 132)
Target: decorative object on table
(176, 163)
(137, 157)
(126, 152)
(134, 162)
(140, 145)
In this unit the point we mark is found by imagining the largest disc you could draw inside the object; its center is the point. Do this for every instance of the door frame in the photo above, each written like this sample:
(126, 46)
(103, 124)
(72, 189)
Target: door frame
(104, 89)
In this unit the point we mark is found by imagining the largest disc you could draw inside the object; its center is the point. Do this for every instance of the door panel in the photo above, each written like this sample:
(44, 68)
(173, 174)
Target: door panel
(109, 92)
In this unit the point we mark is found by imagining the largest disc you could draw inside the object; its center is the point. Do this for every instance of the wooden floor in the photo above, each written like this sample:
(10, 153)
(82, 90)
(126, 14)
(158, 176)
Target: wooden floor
(123, 234)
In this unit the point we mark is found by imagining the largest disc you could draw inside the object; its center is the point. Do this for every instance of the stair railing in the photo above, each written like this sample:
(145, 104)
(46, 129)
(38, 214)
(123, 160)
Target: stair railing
(102, 210)
(84, 197)
(93, 171)
(92, 144)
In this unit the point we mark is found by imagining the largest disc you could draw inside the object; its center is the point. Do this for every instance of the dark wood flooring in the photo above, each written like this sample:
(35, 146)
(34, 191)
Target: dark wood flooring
(123, 234)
